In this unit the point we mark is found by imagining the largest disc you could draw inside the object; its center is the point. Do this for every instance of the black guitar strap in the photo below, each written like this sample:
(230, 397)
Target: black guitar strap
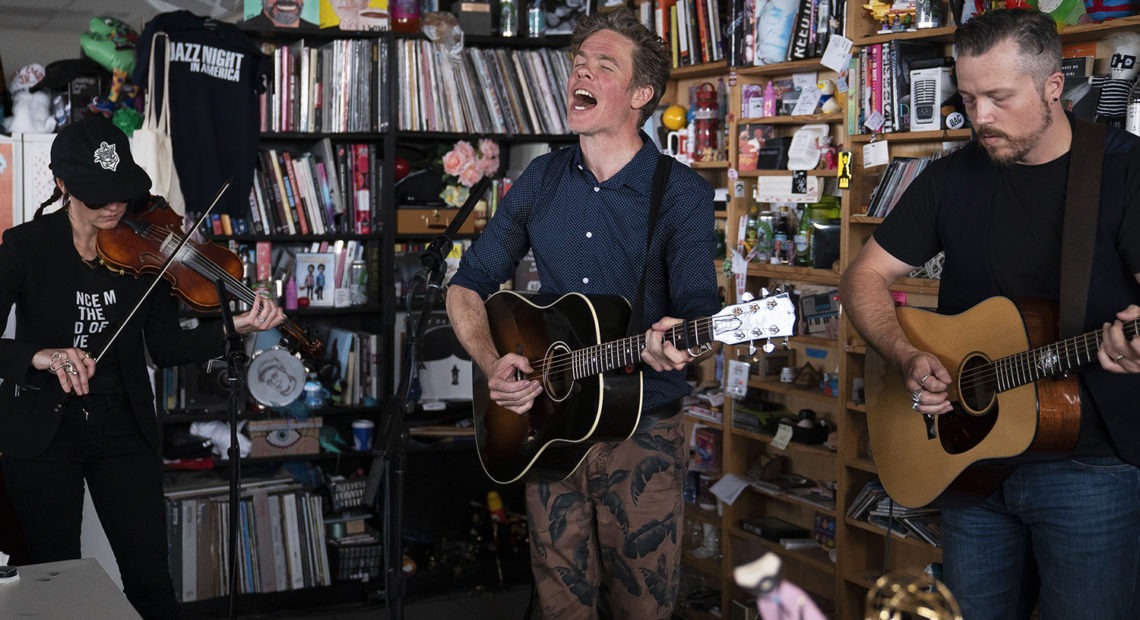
(660, 177)
(1082, 201)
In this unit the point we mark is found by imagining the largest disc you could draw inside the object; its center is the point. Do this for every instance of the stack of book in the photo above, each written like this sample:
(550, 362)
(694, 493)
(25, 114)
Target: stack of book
(874, 506)
(328, 189)
(326, 88)
(281, 540)
(482, 90)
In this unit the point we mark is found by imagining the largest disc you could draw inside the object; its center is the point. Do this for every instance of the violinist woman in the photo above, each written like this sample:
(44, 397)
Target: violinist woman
(64, 419)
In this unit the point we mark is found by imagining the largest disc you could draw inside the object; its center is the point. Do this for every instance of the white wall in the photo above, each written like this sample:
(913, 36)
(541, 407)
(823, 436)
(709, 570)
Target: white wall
(19, 48)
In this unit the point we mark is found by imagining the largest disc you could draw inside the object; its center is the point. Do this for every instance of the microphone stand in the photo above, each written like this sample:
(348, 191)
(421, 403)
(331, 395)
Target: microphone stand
(235, 376)
(389, 461)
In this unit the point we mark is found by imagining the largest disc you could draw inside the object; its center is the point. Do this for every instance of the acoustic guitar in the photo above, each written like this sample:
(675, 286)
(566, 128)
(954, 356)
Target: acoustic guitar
(1011, 393)
(592, 389)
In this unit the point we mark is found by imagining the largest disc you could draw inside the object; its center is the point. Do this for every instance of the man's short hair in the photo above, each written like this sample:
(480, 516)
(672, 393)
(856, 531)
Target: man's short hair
(651, 60)
(1034, 32)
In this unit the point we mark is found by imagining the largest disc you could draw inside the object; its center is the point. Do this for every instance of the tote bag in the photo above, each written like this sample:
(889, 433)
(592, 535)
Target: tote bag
(151, 144)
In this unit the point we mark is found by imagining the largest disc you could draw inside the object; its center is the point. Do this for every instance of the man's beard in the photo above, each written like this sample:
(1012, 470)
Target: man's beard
(1016, 148)
(286, 17)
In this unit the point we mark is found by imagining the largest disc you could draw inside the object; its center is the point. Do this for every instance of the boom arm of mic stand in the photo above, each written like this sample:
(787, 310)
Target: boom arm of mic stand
(389, 457)
(432, 258)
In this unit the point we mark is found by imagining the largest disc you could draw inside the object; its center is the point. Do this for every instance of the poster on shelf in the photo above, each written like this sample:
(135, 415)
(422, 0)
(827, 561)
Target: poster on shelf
(354, 14)
(314, 278)
(300, 14)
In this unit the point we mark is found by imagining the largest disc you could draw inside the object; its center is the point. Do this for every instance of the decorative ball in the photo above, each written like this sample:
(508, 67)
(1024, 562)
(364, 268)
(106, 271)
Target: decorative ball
(402, 168)
(674, 117)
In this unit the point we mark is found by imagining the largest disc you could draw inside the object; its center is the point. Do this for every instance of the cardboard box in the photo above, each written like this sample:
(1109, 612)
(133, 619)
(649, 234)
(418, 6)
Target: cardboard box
(284, 436)
(410, 220)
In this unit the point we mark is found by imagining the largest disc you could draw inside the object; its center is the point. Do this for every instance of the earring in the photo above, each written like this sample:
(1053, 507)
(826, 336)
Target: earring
(1055, 99)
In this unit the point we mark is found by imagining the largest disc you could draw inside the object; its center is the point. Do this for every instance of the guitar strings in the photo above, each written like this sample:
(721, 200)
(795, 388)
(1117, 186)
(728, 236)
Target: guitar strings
(1023, 365)
(563, 361)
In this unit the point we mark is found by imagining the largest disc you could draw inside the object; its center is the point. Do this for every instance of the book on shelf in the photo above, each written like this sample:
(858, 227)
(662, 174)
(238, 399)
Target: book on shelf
(773, 528)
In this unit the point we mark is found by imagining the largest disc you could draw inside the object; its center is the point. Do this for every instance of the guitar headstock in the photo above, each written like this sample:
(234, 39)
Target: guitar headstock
(756, 319)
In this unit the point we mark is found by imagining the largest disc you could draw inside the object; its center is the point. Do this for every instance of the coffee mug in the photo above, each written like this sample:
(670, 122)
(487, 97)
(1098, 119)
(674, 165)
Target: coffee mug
(362, 435)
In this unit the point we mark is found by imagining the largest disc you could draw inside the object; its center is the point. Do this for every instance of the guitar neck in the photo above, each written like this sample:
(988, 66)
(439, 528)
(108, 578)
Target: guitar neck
(1051, 360)
(593, 360)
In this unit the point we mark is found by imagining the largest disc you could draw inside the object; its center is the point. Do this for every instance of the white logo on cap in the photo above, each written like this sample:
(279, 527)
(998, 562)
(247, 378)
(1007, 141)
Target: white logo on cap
(107, 157)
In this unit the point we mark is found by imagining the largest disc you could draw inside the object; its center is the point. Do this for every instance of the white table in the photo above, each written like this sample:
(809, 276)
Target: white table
(64, 590)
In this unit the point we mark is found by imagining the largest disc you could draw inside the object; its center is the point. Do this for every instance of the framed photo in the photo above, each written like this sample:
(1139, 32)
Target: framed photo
(314, 278)
(300, 14)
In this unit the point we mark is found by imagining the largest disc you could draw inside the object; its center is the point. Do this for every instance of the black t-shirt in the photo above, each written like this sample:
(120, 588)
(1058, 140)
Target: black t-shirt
(1024, 244)
(216, 73)
(99, 312)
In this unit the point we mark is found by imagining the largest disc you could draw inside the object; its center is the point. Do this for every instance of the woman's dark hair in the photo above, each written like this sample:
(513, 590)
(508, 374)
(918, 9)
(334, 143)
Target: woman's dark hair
(651, 60)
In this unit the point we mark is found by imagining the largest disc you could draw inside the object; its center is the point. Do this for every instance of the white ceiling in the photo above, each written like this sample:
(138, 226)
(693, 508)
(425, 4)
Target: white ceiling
(73, 16)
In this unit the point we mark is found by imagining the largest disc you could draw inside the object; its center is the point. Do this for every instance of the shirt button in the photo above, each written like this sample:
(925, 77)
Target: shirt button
(585, 280)
(597, 189)
(589, 235)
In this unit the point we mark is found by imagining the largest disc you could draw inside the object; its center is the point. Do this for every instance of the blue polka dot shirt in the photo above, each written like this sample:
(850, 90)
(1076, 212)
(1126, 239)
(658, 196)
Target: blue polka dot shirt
(589, 237)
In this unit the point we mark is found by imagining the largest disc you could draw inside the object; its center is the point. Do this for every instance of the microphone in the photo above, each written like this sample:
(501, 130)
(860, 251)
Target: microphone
(432, 259)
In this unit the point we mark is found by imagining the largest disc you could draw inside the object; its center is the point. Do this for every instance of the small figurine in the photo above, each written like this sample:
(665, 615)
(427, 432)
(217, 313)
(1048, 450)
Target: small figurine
(31, 111)
(1115, 87)
(775, 598)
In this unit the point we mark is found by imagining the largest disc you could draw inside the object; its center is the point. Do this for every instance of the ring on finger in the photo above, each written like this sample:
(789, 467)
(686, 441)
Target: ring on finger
(69, 368)
(916, 395)
(1118, 357)
(914, 405)
(922, 381)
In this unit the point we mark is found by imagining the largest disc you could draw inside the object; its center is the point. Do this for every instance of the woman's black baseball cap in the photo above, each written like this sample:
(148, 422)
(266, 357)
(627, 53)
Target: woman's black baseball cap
(93, 158)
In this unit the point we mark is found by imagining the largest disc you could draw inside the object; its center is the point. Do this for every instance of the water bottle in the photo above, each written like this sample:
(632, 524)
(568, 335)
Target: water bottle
(357, 277)
(535, 20)
(508, 18)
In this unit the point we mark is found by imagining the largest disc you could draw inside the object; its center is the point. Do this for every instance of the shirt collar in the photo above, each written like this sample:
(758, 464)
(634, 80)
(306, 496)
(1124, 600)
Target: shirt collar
(637, 175)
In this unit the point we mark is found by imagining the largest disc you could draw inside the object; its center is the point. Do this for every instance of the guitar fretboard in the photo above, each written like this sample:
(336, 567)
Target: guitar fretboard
(1051, 360)
(625, 352)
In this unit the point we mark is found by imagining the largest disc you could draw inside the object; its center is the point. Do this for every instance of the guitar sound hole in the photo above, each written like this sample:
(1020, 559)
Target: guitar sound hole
(977, 384)
(559, 375)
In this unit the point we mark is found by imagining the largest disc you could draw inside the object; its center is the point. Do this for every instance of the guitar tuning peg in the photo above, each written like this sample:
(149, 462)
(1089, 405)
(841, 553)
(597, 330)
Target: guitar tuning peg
(746, 296)
(768, 346)
(751, 348)
(764, 292)
(786, 346)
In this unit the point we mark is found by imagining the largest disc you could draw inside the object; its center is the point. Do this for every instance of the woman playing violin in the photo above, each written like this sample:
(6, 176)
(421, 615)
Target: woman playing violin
(65, 419)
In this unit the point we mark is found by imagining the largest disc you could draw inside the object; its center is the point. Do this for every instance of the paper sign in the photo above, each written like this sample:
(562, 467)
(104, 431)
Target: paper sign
(783, 437)
(808, 101)
(729, 487)
(874, 121)
(837, 54)
(804, 81)
(737, 384)
(876, 154)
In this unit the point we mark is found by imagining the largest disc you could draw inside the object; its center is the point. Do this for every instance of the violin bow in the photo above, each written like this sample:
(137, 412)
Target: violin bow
(165, 266)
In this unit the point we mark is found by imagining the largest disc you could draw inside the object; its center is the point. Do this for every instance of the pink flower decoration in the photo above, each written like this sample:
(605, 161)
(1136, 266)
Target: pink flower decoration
(470, 175)
(489, 149)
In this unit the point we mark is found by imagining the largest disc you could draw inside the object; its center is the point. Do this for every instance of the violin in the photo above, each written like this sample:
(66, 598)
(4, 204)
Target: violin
(142, 242)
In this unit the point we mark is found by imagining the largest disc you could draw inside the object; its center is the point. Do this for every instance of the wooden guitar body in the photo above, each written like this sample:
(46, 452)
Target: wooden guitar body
(570, 415)
(957, 456)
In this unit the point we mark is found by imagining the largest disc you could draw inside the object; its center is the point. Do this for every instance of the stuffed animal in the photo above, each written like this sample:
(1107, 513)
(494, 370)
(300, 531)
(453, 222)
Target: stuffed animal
(111, 43)
(31, 112)
(1114, 87)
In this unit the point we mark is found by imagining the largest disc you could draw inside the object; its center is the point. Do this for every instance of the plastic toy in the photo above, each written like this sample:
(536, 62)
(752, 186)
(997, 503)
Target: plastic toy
(31, 112)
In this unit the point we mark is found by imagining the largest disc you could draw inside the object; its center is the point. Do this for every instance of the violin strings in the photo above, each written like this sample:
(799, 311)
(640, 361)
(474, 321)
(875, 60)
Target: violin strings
(210, 269)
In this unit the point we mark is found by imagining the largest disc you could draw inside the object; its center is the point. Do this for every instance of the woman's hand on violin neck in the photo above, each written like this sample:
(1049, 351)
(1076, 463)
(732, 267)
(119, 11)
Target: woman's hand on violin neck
(262, 316)
(72, 367)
